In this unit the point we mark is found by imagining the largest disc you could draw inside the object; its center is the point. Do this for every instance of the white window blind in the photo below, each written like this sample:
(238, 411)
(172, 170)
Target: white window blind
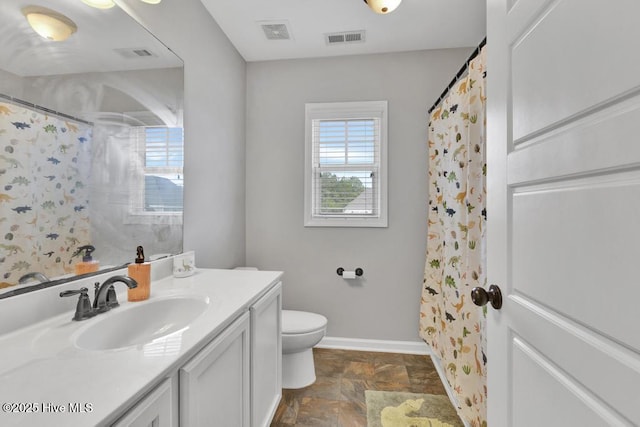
(163, 147)
(346, 164)
(158, 162)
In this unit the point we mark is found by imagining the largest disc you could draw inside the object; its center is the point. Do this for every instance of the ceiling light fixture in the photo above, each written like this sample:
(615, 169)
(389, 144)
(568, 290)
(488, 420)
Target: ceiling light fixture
(383, 6)
(49, 24)
(100, 4)
(107, 4)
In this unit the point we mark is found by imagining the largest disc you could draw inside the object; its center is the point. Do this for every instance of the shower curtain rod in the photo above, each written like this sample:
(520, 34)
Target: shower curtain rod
(41, 108)
(458, 75)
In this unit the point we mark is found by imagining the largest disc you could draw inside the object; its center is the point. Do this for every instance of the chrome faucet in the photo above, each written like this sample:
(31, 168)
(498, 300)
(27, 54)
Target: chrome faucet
(35, 275)
(105, 298)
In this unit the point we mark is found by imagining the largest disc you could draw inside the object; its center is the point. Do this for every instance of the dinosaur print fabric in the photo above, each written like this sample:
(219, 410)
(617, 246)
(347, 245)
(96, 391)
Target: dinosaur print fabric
(455, 261)
(44, 192)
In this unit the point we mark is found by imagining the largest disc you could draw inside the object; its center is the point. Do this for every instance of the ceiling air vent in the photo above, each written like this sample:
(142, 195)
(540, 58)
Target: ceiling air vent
(345, 37)
(138, 52)
(275, 30)
(142, 52)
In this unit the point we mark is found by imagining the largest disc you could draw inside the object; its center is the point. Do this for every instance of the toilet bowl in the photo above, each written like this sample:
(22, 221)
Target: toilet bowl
(301, 331)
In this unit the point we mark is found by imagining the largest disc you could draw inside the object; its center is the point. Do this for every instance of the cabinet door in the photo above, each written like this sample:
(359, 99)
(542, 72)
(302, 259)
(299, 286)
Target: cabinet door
(266, 357)
(156, 409)
(214, 384)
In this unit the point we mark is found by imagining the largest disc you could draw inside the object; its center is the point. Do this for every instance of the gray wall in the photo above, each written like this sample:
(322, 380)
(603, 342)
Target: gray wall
(384, 304)
(10, 84)
(214, 120)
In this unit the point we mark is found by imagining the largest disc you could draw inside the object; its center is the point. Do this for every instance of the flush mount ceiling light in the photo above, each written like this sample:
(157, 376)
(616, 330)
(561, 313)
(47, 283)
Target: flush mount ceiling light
(49, 24)
(107, 4)
(100, 4)
(383, 6)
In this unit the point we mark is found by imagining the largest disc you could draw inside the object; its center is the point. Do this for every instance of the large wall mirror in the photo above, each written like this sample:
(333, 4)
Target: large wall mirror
(91, 142)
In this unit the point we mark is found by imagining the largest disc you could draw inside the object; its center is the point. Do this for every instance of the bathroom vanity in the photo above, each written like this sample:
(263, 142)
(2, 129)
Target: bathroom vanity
(203, 350)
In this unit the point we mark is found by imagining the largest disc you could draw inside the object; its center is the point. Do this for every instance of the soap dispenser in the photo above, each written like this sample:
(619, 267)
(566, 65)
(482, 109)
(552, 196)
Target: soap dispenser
(140, 271)
(88, 264)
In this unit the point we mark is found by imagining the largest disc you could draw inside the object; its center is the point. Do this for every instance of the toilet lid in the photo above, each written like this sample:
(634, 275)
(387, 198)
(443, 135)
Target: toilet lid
(300, 322)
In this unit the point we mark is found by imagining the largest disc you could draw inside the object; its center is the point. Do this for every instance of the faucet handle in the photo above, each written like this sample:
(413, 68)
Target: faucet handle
(73, 292)
(112, 299)
(83, 308)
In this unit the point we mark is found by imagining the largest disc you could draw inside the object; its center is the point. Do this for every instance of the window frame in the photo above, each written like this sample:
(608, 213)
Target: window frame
(345, 111)
(137, 213)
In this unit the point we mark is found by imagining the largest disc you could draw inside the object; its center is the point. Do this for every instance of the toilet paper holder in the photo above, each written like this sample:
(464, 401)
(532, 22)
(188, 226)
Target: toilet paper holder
(359, 271)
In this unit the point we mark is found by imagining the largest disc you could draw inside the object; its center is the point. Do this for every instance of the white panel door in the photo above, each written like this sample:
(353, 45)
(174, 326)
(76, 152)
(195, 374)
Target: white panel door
(563, 212)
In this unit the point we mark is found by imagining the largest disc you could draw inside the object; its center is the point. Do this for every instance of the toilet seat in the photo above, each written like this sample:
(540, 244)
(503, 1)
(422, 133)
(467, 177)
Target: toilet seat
(301, 322)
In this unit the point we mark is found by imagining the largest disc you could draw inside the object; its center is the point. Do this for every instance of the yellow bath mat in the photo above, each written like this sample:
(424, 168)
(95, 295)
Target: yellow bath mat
(400, 409)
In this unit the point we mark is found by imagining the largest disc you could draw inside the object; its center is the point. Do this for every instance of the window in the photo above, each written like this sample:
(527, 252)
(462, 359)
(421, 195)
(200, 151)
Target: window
(345, 164)
(157, 183)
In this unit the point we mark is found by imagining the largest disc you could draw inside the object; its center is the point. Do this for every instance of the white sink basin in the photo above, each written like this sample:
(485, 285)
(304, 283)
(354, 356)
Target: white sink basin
(140, 323)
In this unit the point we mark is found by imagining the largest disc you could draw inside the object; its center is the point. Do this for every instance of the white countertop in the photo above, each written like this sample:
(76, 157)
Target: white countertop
(41, 366)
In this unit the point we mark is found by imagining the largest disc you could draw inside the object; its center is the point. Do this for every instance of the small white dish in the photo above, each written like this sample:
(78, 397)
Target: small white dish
(184, 265)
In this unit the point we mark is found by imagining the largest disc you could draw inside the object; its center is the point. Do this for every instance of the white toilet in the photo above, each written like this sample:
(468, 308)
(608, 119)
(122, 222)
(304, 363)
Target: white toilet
(301, 331)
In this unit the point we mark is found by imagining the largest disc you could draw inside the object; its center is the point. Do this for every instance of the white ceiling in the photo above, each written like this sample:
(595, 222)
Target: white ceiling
(414, 25)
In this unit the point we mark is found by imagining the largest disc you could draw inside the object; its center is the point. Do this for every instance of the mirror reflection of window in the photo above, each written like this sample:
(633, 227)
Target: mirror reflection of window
(158, 177)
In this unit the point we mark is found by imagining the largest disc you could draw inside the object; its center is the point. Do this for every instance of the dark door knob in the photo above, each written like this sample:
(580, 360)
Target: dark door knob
(481, 297)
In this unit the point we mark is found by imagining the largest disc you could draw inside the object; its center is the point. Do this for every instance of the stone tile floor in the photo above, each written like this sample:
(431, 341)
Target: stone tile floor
(337, 399)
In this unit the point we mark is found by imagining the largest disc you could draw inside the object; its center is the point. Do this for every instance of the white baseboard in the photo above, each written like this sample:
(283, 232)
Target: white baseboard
(407, 347)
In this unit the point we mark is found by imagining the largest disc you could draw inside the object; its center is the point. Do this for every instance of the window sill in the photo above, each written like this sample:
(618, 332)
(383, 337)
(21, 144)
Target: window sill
(346, 222)
(157, 218)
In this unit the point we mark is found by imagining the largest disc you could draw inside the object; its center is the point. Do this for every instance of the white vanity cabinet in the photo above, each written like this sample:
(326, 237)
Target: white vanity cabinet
(266, 357)
(222, 368)
(214, 384)
(214, 387)
(159, 408)
(235, 380)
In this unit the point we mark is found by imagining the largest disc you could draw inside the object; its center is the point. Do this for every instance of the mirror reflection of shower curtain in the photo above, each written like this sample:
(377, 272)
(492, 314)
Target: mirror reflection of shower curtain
(45, 168)
(455, 261)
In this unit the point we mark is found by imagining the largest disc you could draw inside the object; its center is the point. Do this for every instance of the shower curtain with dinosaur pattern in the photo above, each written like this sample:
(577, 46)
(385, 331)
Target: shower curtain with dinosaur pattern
(455, 261)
